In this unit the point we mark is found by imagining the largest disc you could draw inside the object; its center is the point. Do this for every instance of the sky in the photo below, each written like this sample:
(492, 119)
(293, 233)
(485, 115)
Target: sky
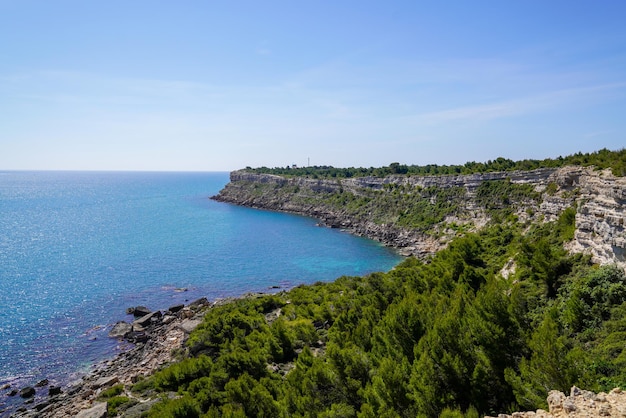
(221, 85)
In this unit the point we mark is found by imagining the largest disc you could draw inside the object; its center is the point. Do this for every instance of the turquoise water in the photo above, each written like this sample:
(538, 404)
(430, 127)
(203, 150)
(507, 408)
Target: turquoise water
(78, 248)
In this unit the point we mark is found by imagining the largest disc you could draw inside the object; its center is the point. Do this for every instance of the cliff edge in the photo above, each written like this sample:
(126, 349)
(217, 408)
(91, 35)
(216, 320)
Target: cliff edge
(447, 205)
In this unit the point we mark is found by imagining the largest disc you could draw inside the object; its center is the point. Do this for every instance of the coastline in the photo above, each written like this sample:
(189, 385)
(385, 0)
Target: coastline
(158, 342)
(80, 391)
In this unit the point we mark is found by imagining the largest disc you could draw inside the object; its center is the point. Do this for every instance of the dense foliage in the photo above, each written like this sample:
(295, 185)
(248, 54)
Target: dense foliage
(601, 159)
(453, 336)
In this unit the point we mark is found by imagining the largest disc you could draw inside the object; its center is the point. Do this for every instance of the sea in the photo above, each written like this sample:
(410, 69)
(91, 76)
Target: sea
(79, 248)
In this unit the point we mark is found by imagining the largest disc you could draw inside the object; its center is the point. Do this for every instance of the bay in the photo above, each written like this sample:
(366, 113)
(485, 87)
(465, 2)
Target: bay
(78, 248)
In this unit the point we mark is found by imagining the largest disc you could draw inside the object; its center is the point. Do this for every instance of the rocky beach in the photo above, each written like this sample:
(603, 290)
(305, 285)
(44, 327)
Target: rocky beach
(153, 340)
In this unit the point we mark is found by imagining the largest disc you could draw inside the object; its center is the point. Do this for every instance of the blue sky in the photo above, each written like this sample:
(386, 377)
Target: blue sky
(216, 86)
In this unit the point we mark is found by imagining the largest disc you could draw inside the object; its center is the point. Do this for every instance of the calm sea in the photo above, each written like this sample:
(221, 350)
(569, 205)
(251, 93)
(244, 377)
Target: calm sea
(78, 248)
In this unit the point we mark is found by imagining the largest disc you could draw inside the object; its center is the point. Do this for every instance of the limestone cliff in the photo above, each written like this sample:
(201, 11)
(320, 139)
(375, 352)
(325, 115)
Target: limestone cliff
(355, 204)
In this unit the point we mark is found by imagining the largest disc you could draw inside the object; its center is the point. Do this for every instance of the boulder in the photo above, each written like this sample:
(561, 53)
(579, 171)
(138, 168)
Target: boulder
(147, 319)
(120, 329)
(199, 303)
(137, 337)
(99, 410)
(27, 392)
(176, 308)
(138, 311)
(105, 381)
(189, 325)
(54, 390)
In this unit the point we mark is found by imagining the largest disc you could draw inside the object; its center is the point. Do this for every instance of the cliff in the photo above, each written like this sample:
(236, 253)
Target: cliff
(445, 206)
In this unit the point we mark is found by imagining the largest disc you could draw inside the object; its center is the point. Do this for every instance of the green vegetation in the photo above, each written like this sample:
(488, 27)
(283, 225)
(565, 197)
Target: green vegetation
(448, 338)
(112, 391)
(601, 159)
(115, 402)
(451, 337)
(424, 209)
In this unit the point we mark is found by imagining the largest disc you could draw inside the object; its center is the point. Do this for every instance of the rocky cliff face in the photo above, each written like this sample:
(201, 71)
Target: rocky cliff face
(598, 196)
(600, 215)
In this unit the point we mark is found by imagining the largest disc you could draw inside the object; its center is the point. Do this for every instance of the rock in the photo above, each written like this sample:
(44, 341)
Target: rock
(54, 390)
(555, 401)
(74, 389)
(137, 337)
(569, 406)
(147, 319)
(186, 312)
(199, 303)
(189, 325)
(138, 311)
(13, 392)
(120, 329)
(176, 308)
(105, 381)
(581, 403)
(5, 387)
(27, 392)
(42, 383)
(273, 315)
(99, 410)
(41, 405)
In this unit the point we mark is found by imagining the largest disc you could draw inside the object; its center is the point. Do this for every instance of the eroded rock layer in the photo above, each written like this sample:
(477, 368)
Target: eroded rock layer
(598, 197)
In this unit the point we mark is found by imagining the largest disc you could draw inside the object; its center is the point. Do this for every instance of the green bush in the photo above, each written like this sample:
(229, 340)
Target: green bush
(111, 392)
(114, 403)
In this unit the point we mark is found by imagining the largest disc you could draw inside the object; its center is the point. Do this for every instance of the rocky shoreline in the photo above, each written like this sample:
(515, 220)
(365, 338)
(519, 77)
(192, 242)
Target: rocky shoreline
(154, 339)
(599, 198)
